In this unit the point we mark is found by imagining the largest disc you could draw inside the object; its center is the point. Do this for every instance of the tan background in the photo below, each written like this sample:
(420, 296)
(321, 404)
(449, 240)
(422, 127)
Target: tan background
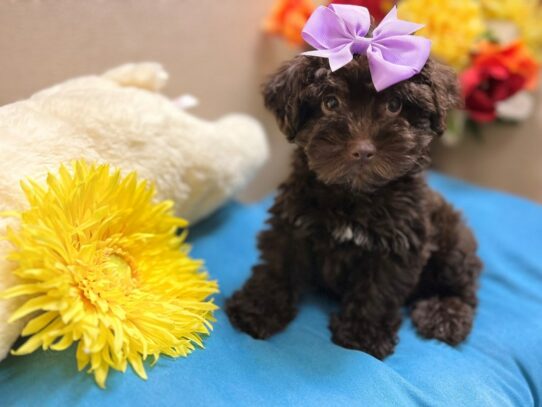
(213, 49)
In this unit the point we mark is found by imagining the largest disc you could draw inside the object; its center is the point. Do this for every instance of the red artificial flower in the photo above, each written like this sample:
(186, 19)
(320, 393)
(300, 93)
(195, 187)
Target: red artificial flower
(516, 57)
(498, 72)
(377, 8)
(484, 86)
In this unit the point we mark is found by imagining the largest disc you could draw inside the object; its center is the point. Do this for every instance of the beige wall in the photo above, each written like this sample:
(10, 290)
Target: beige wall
(214, 49)
(506, 156)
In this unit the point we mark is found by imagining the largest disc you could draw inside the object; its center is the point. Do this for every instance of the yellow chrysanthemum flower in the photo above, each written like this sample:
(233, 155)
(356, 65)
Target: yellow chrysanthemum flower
(103, 266)
(526, 15)
(453, 26)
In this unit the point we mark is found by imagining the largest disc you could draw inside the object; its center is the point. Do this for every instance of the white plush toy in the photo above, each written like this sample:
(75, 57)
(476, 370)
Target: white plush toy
(120, 119)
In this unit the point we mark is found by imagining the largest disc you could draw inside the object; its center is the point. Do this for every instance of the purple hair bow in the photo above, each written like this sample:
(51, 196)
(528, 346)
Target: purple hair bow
(339, 31)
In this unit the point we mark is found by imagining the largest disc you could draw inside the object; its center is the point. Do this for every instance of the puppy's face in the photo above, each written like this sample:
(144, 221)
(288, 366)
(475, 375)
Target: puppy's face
(351, 134)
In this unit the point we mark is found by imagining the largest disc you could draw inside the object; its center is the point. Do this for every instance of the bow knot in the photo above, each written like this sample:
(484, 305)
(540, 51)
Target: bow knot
(340, 31)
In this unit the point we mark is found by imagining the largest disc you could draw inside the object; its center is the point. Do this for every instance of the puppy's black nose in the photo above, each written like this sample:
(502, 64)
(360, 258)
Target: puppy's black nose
(363, 150)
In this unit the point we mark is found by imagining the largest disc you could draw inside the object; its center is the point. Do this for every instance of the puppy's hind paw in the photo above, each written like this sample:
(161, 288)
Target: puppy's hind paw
(448, 319)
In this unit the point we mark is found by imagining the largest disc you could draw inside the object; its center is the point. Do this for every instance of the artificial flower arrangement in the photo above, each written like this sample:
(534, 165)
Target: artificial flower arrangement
(494, 45)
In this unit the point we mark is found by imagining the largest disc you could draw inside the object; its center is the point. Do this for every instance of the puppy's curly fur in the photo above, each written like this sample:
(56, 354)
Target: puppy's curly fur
(356, 217)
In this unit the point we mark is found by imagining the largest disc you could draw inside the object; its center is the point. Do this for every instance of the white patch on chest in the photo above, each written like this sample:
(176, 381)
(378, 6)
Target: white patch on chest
(350, 234)
(343, 234)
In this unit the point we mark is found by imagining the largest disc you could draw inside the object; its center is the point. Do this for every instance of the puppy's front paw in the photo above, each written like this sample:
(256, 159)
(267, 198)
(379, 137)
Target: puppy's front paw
(258, 316)
(378, 341)
(448, 319)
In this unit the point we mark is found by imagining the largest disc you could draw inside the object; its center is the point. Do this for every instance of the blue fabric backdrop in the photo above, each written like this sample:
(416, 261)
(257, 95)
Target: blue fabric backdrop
(499, 365)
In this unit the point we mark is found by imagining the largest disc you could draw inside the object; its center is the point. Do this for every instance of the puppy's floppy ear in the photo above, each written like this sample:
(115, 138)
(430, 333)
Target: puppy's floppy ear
(446, 95)
(283, 94)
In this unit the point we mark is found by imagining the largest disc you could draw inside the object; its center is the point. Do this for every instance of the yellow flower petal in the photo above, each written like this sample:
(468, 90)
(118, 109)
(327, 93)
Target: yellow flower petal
(137, 365)
(100, 375)
(63, 343)
(82, 356)
(35, 304)
(38, 323)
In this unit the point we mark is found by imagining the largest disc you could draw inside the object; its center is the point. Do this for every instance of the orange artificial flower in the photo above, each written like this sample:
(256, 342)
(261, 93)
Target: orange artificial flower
(515, 57)
(288, 17)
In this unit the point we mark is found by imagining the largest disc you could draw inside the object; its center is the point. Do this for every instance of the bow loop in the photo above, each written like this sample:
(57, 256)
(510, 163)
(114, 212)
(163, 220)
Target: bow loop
(340, 31)
(391, 25)
(357, 20)
(326, 30)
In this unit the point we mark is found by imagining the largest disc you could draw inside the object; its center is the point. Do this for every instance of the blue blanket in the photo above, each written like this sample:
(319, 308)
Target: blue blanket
(499, 365)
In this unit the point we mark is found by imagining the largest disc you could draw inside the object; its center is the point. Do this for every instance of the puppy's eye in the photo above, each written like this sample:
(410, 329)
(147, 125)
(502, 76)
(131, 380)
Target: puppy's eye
(394, 105)
(330, 103)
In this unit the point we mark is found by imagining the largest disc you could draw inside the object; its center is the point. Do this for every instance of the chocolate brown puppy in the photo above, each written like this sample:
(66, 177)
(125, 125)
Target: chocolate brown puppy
(356, 217)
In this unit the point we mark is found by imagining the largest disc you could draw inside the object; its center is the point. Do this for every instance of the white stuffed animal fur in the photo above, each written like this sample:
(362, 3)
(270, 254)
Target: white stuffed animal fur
(120, 119)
